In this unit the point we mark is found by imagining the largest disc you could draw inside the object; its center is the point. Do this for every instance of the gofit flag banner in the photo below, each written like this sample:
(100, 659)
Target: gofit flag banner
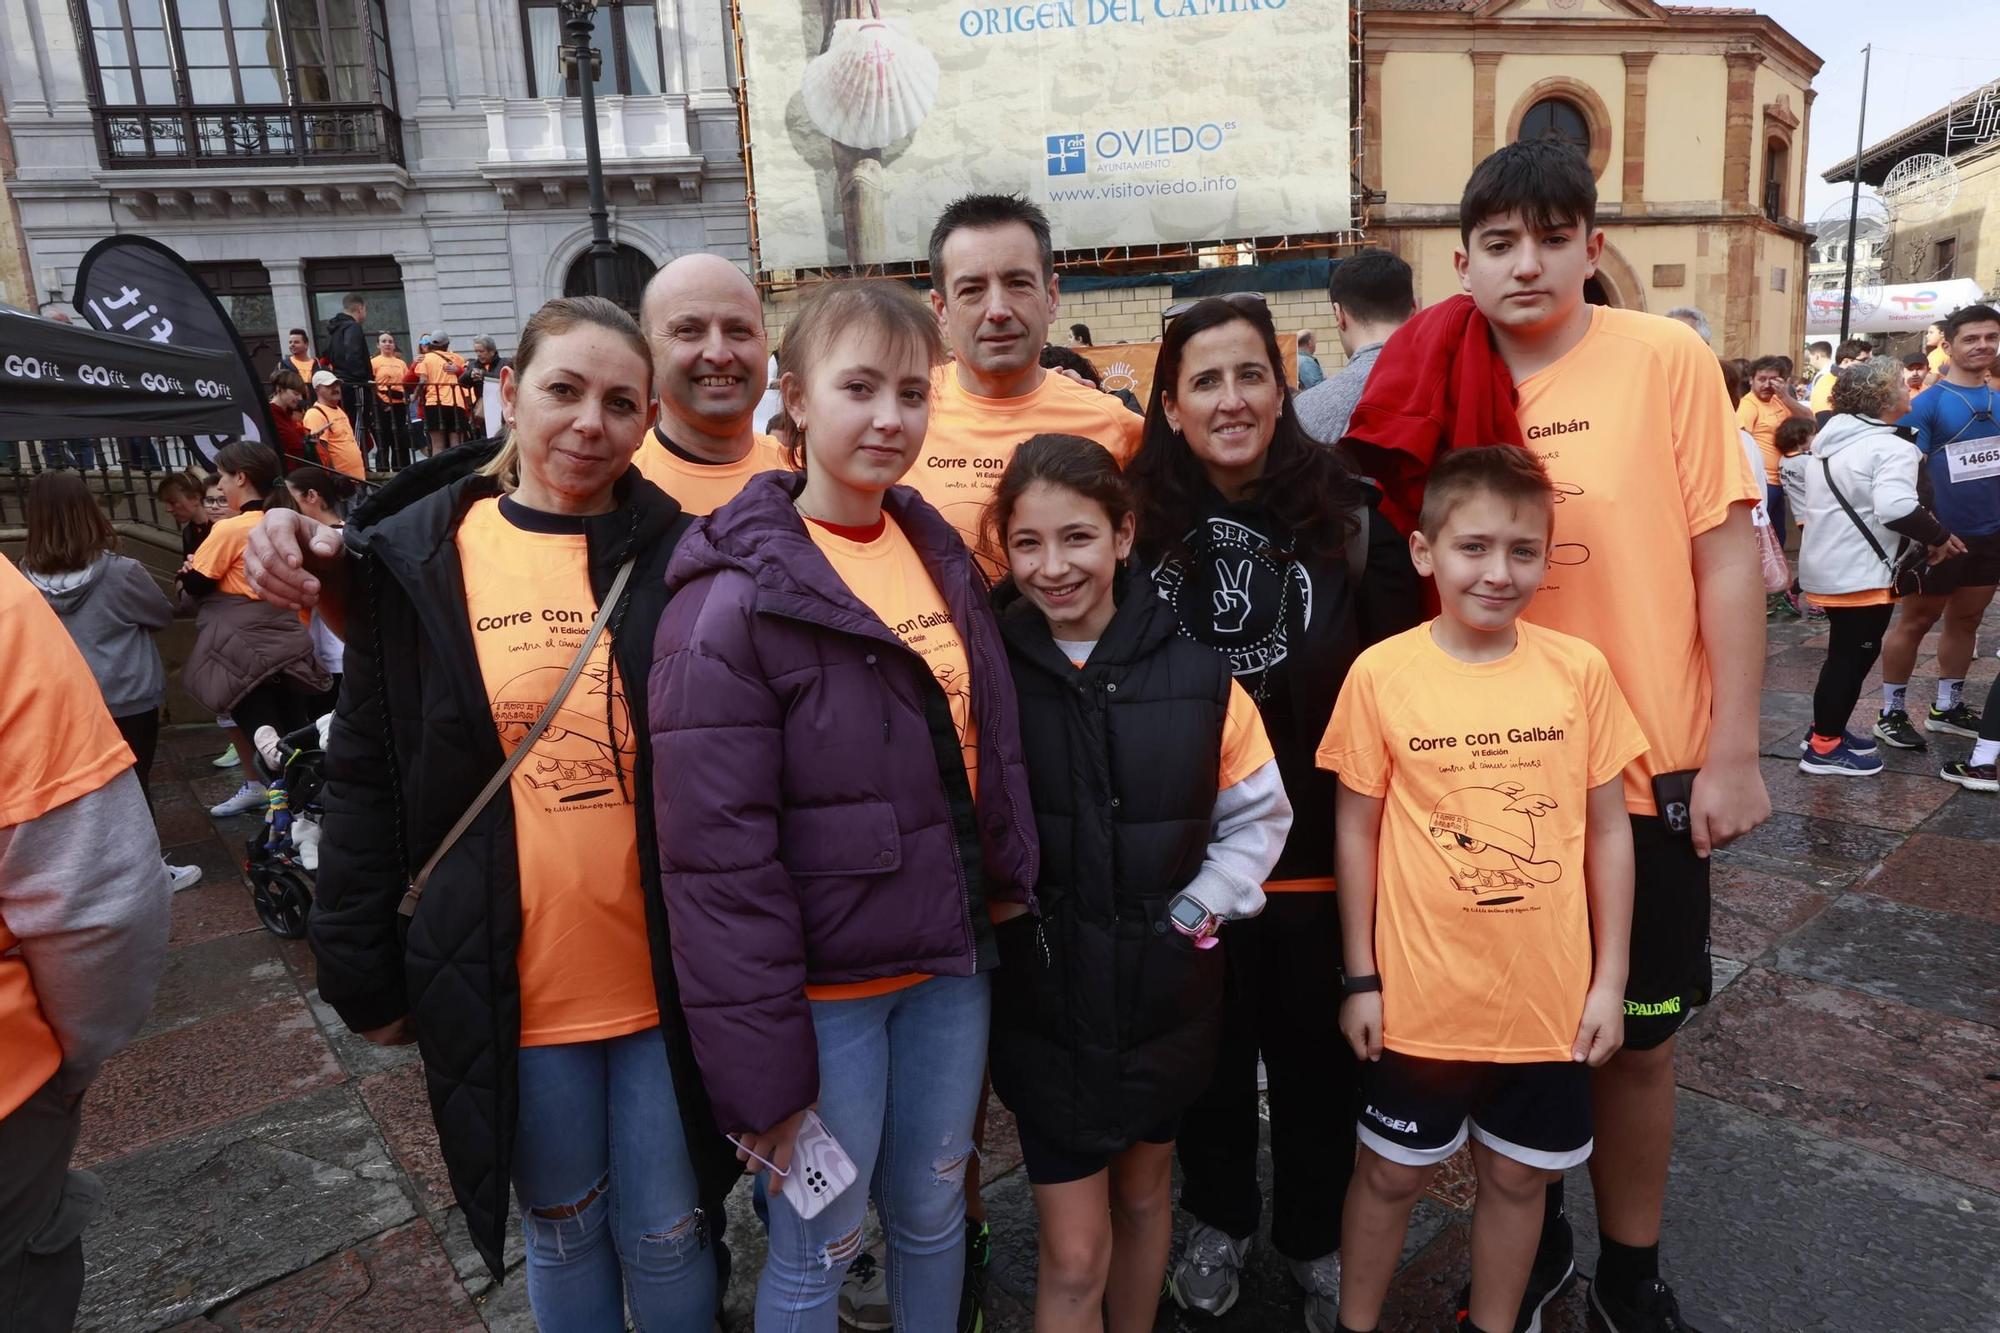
(62, 380)
(1130, 121)
(135, 286)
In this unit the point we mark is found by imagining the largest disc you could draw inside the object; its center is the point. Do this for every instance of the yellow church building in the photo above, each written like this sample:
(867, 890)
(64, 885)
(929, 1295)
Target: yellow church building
(1693, 118)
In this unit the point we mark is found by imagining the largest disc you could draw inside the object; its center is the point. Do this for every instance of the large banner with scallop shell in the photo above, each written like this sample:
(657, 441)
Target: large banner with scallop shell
(1130, 121)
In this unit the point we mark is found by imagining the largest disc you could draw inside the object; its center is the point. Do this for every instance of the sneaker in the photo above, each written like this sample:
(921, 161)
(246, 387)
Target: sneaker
(250, 796)
(1961, 719)
(183, 877)
(1980, 778)
(864, 1295)
(1840, 761)
(1553, 1274)
(227, 759)
(1652, 1309)
(1206, 1278)
(1894, 728)
(1858, 744)
(1321, 1280)
(978, 1254)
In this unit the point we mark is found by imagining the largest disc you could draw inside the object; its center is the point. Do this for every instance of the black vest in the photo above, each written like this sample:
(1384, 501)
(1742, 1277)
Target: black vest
(1105, 1018)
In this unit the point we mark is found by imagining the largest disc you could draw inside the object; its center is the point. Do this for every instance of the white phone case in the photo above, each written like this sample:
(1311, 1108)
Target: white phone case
(821, 1168)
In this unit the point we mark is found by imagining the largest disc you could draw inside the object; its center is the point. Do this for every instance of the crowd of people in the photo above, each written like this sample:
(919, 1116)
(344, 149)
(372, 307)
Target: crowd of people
(1890, 470)
(705, 802)
(348, 411)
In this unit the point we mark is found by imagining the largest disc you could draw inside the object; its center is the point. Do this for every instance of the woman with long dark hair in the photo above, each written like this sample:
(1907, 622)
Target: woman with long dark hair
(1271, 552)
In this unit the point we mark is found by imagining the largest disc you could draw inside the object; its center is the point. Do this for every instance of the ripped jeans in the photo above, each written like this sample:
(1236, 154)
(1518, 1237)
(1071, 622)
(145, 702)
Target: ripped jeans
(899, 1079)
(598, 1143)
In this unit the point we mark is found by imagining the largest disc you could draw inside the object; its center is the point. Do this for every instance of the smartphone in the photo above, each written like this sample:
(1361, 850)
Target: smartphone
(821, 1169)
(1673, 794)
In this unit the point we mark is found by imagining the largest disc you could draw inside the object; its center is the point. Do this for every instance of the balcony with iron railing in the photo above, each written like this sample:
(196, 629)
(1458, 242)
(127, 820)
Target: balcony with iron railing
(248, 136)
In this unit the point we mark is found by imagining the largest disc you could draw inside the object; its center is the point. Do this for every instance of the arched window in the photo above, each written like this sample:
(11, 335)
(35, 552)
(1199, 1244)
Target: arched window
(1557, 118)
(630, 272)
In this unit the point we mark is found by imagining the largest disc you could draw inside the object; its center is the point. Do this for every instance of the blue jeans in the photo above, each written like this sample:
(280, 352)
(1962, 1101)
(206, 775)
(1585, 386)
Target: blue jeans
(899, 1078)
(599, 1127)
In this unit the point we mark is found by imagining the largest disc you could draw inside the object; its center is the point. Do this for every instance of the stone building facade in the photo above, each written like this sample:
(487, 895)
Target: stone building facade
(427, 153)
(1693, 118)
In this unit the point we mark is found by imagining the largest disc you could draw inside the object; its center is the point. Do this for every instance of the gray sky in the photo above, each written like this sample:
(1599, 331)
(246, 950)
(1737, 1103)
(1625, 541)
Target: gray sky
(1924, 55)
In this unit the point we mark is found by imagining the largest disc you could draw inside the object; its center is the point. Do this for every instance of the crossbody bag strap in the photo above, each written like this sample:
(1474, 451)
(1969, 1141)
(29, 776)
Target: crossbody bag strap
(1826, 466)
(506, 770)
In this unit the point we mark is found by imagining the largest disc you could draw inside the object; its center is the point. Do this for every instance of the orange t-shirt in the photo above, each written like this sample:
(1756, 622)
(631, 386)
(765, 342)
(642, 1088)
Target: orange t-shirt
(1629, 420)
(1482, 926)
(1762, 420)
(305, 366)
(338, 448)
(585, 965)
(970, 439)
(888, 577)
(60, 745)
(220, 555)
(390, 372)
(439, 372)
(1940, 359)
(703, 488)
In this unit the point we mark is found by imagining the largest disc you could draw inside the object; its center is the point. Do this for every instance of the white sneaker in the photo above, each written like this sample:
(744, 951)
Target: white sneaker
(248, 797)
(183, 877)
(864, 1294)
(227, 759)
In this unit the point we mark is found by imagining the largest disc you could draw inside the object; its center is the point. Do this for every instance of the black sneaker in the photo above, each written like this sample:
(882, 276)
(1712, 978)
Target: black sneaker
(978, 1254)
(1981, 777)
(1553, 1274)
(1651, 1309)
(1894, 728)
(1961, 719)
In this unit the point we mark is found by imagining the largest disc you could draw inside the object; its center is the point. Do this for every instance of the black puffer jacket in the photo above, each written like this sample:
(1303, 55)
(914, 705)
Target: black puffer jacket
(412, 744)
(1291, 625)
(1106, 1018)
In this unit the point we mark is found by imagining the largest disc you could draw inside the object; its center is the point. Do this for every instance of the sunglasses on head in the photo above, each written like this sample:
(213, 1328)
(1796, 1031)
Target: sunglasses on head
(1241, 300)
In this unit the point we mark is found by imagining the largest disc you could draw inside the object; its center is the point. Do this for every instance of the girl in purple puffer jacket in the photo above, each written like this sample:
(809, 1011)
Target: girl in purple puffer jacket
(842, 795)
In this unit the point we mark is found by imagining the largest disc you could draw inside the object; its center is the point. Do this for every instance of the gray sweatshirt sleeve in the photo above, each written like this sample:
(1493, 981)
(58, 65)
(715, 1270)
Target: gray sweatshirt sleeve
(140, 600)
(83, 889)
(1250, 823)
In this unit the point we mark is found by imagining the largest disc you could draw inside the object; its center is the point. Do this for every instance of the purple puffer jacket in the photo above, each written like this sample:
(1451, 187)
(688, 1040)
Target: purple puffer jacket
(814, 820)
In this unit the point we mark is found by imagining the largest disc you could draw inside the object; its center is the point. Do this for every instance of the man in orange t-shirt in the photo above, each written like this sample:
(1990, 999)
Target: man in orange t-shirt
(83, 940)
(446, 419)
(328, 426)
(711, 362)
(1769, 402)
(994, 286)
(298, 354)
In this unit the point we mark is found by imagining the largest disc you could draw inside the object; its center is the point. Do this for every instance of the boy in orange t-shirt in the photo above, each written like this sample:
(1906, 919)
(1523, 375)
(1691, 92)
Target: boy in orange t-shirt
(1485, 863)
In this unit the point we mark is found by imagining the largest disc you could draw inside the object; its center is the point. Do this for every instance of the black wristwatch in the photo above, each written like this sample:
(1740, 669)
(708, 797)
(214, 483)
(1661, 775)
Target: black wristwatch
(1360, 985)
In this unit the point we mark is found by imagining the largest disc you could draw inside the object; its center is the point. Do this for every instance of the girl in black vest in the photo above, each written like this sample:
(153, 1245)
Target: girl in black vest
(1160, 811)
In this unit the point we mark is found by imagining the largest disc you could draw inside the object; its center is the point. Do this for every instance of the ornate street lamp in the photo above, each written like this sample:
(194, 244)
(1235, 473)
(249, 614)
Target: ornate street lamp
(579, 19)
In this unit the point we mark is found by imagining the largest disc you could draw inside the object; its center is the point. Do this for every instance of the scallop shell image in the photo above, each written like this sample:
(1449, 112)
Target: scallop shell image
(872, 86)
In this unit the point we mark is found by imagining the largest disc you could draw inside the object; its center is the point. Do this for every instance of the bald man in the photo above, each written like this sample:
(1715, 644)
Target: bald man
(701, 316)
(710, 365)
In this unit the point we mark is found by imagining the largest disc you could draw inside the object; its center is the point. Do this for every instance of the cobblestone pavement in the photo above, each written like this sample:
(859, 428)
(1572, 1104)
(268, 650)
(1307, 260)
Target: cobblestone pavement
(1837, 1166)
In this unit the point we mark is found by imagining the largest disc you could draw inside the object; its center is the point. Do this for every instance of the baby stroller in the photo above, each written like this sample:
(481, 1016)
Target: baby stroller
(281, 858)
